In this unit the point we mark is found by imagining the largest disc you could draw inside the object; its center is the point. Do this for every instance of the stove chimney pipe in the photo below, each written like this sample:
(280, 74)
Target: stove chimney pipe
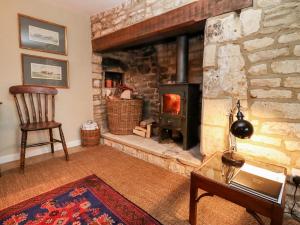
(182, 58)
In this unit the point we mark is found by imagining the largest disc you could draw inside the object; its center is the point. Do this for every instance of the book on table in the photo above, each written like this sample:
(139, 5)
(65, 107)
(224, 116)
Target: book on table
(260, 182)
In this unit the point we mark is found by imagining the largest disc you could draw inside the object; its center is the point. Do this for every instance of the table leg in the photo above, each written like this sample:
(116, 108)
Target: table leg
(277, 217)
(255, 216)
(193, 204)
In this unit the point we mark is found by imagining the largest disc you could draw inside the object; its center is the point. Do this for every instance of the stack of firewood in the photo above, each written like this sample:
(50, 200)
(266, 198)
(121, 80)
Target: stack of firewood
(144, 129)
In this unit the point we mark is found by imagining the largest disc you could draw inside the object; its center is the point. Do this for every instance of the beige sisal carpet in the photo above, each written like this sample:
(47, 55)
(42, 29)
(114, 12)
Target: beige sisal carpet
(163, 194)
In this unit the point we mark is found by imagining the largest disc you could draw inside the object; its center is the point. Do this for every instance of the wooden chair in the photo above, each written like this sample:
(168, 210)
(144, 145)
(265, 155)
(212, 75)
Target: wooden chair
(37, 97)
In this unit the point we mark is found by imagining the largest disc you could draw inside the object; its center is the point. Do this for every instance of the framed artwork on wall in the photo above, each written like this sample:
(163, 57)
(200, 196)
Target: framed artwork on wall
(41, 35)
(44, 71)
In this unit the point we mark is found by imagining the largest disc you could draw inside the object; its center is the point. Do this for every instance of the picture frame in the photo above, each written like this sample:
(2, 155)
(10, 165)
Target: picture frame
(41, 35)
(44, 71)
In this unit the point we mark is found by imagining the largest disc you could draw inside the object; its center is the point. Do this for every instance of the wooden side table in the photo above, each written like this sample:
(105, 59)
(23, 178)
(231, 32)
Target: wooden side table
(213, 177)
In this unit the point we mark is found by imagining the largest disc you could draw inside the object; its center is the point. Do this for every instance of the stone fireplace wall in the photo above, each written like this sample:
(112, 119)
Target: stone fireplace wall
(131, 12)
(163, 63)
(144, 68)
(254, 56)
(139, 69)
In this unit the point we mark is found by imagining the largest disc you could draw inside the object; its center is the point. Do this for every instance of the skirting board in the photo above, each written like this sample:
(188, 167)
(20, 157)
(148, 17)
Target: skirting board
(37, 151)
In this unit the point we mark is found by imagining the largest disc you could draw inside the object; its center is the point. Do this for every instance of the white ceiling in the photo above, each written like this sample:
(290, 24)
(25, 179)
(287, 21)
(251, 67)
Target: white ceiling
(90, 7)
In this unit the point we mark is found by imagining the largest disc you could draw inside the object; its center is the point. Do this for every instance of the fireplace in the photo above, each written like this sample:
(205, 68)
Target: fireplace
(179, 103)
(179, 113)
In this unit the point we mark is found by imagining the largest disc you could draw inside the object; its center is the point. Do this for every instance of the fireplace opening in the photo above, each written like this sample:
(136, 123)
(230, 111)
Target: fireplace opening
(171, 104)
(167, 75)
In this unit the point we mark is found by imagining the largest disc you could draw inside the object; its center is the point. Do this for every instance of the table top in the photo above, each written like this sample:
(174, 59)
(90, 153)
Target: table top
(214, 169)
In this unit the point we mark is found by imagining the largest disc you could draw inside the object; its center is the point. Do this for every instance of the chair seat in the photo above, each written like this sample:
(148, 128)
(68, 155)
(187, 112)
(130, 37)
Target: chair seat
(40, 126)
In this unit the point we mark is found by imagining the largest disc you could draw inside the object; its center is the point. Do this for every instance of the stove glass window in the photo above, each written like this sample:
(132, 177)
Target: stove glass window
(171, 104)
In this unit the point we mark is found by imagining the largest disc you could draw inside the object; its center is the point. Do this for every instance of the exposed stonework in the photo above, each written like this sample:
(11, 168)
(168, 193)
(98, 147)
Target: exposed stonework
(260, 69)
(297, 50)
(166, 56)
(131, 12)
(269, 61)
(267, 153)
(250, 19)
(293, 82)
(220, 108)
(286, 66)
(266, 140)
(212, 138)
(278, 110)
(223, 28)
(229, 78)
(286, 38)
(268, 3)
(268, 54)
(167, 156)
(292, 145)
(258, 43)
(281, 128)
(260, 93)
(271, 82)
(209, 57)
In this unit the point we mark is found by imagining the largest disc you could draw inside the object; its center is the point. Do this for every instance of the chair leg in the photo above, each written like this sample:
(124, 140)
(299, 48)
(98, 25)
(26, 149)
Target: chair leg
(51, 139)
(63, 142)
(23, 150)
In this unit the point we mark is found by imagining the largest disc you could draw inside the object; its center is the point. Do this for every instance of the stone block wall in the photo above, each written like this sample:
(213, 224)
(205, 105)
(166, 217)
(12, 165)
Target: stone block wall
(254, 56)
(131, 12)
(162, 64)
(139, 69)
(166, 55)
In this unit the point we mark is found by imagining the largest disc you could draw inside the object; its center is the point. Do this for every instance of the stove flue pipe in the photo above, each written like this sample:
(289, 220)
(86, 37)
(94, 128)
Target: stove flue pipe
(182, 58)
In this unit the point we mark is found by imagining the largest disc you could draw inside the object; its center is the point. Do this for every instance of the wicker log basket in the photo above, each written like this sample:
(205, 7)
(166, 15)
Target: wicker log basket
(123, 115)
(90, 137)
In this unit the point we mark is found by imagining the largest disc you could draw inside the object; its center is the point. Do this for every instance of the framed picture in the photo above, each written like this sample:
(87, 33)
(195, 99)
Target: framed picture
(44, 71)
(41, 35)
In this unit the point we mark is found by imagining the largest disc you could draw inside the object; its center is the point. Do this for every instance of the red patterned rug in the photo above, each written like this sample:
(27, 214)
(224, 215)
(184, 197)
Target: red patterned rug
(86, 201)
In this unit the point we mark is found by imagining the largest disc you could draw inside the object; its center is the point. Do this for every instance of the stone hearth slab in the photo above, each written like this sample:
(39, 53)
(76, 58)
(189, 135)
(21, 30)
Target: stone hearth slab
(169, 156)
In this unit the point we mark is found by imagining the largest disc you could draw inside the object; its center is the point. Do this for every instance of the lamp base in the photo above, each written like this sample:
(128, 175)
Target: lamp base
(233, 159)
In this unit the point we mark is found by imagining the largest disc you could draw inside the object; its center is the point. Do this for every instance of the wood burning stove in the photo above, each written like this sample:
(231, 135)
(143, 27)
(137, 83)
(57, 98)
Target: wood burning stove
(179, 102)
(179, 112)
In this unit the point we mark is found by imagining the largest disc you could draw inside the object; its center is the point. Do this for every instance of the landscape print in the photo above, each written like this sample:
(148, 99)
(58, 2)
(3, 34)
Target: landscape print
(46, 72)
(42, 35)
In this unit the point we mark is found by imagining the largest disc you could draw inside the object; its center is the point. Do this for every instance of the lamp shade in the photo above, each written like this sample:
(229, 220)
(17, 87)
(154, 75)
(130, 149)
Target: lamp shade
(242, 129)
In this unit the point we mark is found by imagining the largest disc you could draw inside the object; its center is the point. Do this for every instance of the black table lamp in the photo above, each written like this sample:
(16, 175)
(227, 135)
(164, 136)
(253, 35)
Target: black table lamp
(241, 129)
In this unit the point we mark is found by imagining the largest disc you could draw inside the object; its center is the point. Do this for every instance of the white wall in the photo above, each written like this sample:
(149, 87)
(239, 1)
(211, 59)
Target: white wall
(74, 105)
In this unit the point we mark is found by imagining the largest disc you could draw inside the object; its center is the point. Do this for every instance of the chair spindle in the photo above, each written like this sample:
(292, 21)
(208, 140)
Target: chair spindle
(25, 108)
(53, 107)
(32, 108)
(46, 107)
(39, 107)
